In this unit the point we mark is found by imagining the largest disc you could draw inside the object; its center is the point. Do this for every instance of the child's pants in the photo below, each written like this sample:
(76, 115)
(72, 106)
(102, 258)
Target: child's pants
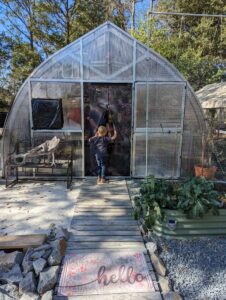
(101, 165)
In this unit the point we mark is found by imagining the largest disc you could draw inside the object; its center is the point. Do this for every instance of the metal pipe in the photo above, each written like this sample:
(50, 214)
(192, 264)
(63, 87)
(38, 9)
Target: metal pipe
(185, 14)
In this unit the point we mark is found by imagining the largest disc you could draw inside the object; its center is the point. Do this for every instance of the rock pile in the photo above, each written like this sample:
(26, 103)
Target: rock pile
(32, 275)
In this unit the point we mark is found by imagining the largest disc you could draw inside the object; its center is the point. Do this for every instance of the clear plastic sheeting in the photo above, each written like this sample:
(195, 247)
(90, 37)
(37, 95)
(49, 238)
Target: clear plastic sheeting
(159, 105)
(68, 142)
(165, 105)
(17, 128)
(65, 65)
(149, 67)
(162, 155)
(141, 106)
(140, 163)
(108, 56)
(193, 131)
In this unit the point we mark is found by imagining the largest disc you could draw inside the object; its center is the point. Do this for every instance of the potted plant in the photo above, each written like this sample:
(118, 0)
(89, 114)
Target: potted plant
(206, 168)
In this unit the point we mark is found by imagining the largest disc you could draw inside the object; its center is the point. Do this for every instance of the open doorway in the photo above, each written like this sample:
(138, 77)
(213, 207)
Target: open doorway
(116, 99)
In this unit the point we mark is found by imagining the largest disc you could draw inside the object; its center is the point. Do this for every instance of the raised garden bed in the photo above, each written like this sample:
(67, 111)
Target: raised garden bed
(183, 209)
(177, 225)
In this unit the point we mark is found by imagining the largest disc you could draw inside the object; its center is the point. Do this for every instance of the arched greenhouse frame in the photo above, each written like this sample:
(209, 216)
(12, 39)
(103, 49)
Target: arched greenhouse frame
(159, 120)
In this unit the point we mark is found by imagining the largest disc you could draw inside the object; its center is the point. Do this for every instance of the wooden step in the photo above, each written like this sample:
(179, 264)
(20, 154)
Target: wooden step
(118, 238)
(86, 196)
(109, 232)
(109, 208)
(131, 228)
(21, 241)
(103, 222)
(106, 245)
(102, 214)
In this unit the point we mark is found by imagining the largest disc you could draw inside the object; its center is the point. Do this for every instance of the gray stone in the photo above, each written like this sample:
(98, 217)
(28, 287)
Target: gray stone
(141, 221)
(39, 265)
(47, 296)
(37, 254)
(12, 276)
(47, 279)
(142, 229)
(62, 233)
(30, 296)
(47, 253)
(2, 253)
(8, 260)
(4, 296)
(151, 247)
(164, 284)
(27, 263)
(171, 296)
(158, 265)
(28, 284)
(10, 290)
(59, 247)
(43, 247)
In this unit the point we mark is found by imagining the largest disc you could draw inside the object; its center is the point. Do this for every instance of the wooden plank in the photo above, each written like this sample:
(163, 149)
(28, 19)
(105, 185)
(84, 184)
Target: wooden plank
(102, 214)
(89, 181)
(89, 232)
(104, 222)
(130, 228)
(104, 187)
(125, 296)
(103, 218)
(106, 245)
(102, 193)
(103, 204)
(103, 209)
(93, 196)
(118, 238)
(21, 241)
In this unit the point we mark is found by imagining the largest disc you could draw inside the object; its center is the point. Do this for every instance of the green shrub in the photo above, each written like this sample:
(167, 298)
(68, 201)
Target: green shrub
(155, 194)
(197, 197)
(194, 197)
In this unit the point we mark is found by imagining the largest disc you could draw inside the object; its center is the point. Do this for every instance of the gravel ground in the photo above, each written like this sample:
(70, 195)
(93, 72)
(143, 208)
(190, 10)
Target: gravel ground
(196, 267)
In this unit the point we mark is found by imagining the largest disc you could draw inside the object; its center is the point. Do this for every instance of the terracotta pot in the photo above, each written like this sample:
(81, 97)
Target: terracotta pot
(207, 172)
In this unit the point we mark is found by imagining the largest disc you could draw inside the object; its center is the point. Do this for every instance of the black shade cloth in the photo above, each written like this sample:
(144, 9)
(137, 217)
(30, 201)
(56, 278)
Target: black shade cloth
(2, 118)
(47, 113)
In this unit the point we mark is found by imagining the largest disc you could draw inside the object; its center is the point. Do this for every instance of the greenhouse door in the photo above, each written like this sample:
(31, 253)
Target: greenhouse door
(157, 136)
(98, 98)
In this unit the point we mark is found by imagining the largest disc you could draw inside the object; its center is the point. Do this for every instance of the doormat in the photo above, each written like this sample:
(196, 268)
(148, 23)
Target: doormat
(104, 273)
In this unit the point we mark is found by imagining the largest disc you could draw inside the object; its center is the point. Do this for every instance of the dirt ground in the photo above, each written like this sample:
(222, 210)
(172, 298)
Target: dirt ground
(32, 207)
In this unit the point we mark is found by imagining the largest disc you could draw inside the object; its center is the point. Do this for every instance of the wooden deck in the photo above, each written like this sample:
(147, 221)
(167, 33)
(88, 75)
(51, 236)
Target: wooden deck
(103, 222)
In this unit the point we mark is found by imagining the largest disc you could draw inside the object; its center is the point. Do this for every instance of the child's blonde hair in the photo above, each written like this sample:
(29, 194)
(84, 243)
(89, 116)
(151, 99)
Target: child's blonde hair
(102, 131)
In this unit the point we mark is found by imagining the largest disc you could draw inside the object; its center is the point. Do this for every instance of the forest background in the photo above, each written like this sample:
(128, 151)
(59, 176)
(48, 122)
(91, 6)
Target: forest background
(31, 30)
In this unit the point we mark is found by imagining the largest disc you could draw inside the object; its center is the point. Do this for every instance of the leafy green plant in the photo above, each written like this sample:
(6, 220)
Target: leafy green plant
(154, 195)
(197, 197)
(194, 197)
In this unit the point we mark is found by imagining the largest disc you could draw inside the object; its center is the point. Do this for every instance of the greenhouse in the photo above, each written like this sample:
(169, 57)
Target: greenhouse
(158, 118)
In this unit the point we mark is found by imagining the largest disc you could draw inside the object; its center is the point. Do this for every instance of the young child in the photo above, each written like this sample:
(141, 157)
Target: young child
(100, 142)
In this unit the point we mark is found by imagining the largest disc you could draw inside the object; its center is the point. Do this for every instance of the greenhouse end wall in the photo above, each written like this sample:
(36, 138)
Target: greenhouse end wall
(166, 119)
